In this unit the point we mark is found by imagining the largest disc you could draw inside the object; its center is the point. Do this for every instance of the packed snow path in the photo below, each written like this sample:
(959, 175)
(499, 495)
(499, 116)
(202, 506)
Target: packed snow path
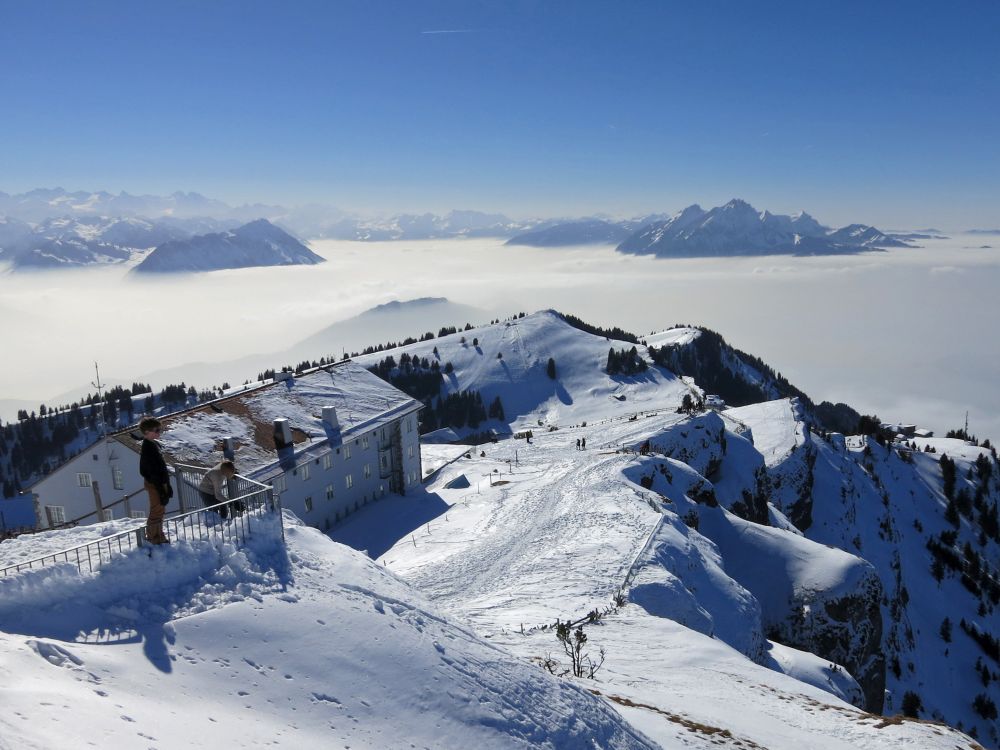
(553, 513)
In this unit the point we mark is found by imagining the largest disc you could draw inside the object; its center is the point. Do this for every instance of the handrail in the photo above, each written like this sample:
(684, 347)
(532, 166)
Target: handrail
(193, 524)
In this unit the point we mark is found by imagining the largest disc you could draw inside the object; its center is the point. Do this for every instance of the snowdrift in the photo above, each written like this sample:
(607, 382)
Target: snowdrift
(210, 647)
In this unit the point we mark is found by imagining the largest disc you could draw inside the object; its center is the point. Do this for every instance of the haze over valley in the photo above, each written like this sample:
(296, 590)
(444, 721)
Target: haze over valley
(899, 333)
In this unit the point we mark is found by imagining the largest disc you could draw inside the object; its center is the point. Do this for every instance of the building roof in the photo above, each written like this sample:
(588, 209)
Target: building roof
(364, 402)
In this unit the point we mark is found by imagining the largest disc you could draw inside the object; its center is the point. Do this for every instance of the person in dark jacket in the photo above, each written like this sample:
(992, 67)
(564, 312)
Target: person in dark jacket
(156, 479)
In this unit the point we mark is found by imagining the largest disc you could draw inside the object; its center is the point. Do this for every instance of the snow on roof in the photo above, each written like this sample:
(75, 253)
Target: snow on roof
(362, 400)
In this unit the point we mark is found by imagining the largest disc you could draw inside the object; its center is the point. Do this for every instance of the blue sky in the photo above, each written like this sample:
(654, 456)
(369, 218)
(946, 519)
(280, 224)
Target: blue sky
(884, 112)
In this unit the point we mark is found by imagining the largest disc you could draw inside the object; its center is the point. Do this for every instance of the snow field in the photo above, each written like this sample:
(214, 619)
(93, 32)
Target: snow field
(322, 648)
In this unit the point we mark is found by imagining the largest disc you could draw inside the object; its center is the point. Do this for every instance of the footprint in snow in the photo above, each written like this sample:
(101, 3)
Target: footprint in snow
(379, 606)
(325, 698)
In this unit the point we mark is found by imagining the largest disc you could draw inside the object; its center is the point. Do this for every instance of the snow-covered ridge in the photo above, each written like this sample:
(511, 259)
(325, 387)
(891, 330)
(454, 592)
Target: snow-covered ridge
(695, 537)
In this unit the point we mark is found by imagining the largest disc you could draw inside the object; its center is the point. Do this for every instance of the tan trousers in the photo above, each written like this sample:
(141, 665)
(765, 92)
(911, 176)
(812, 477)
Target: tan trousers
(154, 522)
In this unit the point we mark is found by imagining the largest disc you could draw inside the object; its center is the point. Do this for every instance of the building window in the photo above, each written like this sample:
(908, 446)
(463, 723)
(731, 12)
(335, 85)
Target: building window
(364, 442)
(347, 453)
(409, 424)
(278, 484)
(368, 471)
(137, 514)
(349, 481)
(410, 451)
(309, 504)
(304, 472)
(117, 479)
(56, 514)
(327, 460)
(107, 515)
(83, 480)
(385, 462)
(329, 492)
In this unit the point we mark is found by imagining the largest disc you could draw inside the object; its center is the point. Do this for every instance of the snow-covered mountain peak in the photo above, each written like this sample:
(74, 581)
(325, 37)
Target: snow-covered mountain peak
(737, 228)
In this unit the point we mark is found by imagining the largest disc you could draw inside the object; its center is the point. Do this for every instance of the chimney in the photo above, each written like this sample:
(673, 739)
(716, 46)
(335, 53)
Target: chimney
(282, 434)
(330, 417)
(229, 448)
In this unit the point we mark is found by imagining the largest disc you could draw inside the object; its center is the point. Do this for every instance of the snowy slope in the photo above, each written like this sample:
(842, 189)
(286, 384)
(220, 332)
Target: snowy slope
(311, 647)
(887, 506)
(682, 566)
(560, 538)
(581, 391)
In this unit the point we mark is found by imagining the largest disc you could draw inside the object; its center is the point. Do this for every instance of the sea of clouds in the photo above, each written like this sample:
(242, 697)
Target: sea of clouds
(909, 334)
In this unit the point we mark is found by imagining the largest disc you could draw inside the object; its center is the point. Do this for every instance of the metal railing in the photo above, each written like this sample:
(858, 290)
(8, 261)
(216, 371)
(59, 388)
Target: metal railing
(206, 524)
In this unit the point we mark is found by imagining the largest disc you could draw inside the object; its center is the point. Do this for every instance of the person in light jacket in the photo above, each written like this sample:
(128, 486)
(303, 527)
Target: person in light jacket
(211, 488)
(156, 479)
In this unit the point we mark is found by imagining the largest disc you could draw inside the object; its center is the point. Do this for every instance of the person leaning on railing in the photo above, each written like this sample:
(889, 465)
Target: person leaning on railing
(156, 480)
(211, 486)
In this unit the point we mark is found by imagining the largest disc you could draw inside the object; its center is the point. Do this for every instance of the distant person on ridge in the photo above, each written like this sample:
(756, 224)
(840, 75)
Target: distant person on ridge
(156, 479)
(211, 488)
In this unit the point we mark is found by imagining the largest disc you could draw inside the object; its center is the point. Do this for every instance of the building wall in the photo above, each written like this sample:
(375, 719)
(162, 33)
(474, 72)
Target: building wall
(330, 471)
(323, 490)
(64, 489)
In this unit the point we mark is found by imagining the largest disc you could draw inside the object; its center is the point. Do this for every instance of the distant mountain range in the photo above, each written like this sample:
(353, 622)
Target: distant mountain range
(44, 203)
(258, 243)
(65, 242)
(584, 232)
(423, 227)
(81, 241)
(54, 228)
(736, 228)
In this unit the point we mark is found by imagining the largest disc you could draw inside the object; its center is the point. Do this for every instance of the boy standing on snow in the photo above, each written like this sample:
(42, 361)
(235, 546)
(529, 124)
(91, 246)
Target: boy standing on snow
(156, 480)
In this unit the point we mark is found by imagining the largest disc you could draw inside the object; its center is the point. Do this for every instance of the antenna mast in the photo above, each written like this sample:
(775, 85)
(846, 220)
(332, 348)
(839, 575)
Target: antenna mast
(101, 429)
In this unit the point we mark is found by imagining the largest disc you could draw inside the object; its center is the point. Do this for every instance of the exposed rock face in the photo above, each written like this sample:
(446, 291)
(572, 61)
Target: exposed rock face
(792, 484)
(846, 629)
(699, 442)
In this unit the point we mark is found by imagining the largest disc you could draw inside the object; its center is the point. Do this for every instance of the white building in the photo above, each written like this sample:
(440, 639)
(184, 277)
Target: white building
(98, 477)
(328, 441)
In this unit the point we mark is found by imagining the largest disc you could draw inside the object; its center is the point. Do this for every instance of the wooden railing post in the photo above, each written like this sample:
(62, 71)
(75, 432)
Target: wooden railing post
(97, 500)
